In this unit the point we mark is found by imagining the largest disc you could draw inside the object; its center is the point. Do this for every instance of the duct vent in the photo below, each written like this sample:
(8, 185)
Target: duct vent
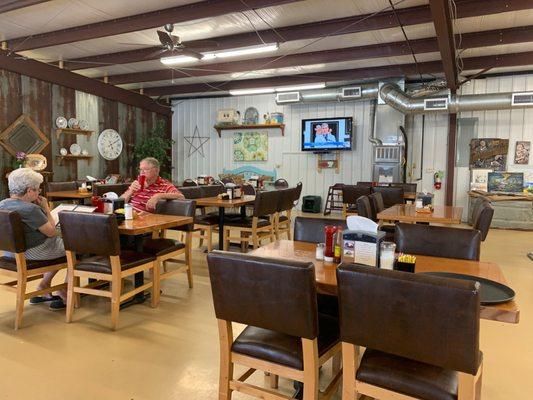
(436, 104)
(351, 92)
(386, 153)
(288, 97)
(522, 99)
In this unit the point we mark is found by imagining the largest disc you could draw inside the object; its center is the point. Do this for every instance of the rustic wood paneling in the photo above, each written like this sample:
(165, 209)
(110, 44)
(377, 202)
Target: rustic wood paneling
(108, 119)
(127, 122)
(10, 110)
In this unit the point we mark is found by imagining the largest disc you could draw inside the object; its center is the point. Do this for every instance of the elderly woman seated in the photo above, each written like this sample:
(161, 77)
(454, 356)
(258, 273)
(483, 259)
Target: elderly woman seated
(42, 239)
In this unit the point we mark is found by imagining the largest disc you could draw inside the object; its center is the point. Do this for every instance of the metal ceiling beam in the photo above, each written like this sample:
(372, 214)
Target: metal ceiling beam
(470, 40)
(189, 12)
(473, 63)
(11, 5)
(440, 10)
(49, 73)
(338, 26)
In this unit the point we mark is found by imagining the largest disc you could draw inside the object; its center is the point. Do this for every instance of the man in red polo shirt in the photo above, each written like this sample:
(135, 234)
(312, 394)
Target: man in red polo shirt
(154, 189)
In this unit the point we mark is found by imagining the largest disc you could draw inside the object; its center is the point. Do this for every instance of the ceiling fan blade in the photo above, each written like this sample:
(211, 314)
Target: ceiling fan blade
(191, 53)
(165, 39)
(136, 44)
(157, 53)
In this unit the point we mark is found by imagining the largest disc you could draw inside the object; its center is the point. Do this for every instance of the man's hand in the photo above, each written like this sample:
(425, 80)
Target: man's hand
(150, 204)
(135, 186)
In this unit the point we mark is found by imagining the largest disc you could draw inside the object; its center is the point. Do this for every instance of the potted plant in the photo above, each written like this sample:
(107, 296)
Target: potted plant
(158, 145)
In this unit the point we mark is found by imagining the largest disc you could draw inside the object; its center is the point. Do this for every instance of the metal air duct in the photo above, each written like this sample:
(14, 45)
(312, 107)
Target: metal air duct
(395, 97)
(369, 91)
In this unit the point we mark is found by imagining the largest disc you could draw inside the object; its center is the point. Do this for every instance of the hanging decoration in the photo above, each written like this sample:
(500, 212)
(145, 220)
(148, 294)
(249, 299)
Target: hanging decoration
(193, 148)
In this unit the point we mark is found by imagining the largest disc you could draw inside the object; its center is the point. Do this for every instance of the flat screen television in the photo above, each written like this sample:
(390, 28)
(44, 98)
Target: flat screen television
(327, 134)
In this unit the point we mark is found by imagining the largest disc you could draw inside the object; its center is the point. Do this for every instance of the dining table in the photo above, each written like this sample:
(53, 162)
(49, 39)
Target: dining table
(141, 225)
(409, 213)
(222, 204)
(326, 278)
(69, 195)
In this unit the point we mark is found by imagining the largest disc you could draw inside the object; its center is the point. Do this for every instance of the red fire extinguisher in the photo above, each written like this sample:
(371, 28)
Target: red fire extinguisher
(437, 179)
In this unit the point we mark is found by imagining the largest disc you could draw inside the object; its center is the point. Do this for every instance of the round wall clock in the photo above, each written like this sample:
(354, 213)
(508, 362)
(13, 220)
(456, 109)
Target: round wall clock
(110, 144)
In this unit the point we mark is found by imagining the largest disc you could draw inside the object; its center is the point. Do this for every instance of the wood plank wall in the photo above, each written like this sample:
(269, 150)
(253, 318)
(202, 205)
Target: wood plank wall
(44, 102)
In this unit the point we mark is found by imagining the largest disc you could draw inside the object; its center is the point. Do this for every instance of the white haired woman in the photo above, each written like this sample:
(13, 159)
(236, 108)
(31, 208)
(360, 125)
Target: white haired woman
(42, 239)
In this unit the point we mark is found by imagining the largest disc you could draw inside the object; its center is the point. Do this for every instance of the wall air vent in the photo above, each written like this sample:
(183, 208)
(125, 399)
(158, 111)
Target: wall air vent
(351, 92)
(522, 99)
(436, 104)
(288, 97)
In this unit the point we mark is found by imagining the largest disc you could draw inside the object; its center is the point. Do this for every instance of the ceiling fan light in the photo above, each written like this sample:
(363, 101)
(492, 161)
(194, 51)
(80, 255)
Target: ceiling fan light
(177, 60)
(265, 48)
(239, 92)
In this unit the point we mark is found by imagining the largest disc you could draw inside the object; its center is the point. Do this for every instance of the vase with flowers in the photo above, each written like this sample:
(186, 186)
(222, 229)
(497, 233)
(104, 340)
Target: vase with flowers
(20, 159)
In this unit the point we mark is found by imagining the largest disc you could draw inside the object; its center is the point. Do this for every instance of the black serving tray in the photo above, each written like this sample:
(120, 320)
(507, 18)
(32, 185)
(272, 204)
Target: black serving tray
(490, 292)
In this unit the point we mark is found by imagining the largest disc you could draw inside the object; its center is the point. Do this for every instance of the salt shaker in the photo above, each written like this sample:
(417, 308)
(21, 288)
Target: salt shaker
(319, 254)
(386, 257)
(128, 211)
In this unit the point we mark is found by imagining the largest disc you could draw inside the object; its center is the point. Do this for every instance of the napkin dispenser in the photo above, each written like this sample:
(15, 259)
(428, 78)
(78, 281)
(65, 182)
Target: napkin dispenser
(361, 247)
(233, 191)
(110, 204)
(423, 199)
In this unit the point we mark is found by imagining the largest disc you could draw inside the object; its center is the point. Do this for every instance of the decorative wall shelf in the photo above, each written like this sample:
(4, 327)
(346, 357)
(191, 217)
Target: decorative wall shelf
(329, 160)
(220, 128)
(70, 131)
(71, 157)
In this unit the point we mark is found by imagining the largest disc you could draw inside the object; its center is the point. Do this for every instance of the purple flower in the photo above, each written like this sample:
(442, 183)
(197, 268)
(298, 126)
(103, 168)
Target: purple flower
(21, 156)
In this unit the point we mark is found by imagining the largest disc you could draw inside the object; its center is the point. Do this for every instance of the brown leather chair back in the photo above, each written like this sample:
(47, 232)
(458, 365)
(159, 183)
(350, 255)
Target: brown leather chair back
(376, 203)
(266, 203)
(183, 208)
(61, 186)
(248, 189)
(425, 318)
(407, 187)
(286, 199)
(364, 209)
(350, 193)
(297, 193)
(391, 195)
(189, 182)
(483, 218)
(278, 295)
(118, 188)
(211, 190)
(281, 183)
(367, 184)
(191, 192)
(438, 241)
(312, 229)
(90, 233)
(12, 238)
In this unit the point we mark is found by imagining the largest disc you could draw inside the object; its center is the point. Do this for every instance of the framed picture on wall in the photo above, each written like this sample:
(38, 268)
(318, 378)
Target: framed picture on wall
(250, 146)
(506, 182)
(479, 180)
(521, 153)
(489, 153)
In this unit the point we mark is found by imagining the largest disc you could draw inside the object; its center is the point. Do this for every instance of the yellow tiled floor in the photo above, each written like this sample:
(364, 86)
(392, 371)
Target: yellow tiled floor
(172, 352)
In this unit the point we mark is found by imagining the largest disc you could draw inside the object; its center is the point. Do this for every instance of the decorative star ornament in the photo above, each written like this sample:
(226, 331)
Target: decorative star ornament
(201, 141)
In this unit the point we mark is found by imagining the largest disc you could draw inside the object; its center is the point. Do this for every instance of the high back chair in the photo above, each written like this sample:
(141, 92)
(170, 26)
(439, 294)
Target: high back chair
(297, 193)
(205, 223)
(407, 187)
(61, 186)
(281, 184)
(284, 211)
(97, 235)
(118, 188)
(285, 337)
(350, 194)
(255, 229)
(166, 250)
(377, 205)
(312, 229)
(189, 182)
(483, 218)
(438, 241)
(364, 208)
(391, 195)
(430, 349)
(18, 269)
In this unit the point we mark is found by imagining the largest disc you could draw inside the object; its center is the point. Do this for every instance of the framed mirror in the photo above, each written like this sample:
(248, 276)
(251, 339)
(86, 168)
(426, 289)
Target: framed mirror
(23, 135)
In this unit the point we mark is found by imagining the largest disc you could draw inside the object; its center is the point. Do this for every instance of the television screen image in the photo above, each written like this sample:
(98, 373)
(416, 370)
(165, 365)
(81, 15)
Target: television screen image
(324, 134)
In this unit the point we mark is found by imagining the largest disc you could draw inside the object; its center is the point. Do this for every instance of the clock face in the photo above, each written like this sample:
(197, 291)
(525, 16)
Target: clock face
(110, 144)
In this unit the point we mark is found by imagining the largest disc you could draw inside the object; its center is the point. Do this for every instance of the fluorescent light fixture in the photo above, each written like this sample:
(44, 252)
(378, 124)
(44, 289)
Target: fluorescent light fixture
(177, 60)
(251, 91)
(265, 48)
(301, 87)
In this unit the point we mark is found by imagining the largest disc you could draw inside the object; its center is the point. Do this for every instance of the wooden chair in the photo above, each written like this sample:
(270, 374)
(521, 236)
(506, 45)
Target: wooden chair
(364, 208)
(189, 183)
(281, 184)
(438, 241)
(97, 235)
(297, 193)
(118, 188)
(284, 211)
(431, 346)
(207, 224)
(285, 337)
(377, 205)
(20, 270)
(312, 229)
(482, 218)
(254, 229)
(166, 250)
(350, 194)
(391, 195)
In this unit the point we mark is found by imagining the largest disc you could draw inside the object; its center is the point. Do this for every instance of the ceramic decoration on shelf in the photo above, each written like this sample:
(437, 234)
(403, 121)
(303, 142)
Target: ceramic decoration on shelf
(110, 144)
(75, 149)
(73, 123)
(63, 151)
(84, 153)
(84, 125)
(61, 122)
(251, 116)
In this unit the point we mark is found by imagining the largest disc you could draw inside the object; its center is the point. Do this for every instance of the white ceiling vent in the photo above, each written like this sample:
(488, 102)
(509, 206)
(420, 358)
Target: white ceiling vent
(436, 104)
(351, 92)
(288, 97)
(522, 99)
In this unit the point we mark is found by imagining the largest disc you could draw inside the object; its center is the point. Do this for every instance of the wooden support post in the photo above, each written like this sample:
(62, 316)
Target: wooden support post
(450, 169)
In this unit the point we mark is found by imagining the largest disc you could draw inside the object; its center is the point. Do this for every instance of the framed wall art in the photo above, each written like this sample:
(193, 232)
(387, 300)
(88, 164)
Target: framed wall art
(489, 154)
(521, 153)
(250, 146)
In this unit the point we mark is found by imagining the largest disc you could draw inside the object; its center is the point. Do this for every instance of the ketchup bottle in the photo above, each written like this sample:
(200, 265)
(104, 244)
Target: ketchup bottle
(329, 232)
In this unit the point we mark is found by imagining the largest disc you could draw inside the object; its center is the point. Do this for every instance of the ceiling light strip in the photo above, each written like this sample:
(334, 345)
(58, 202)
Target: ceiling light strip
(180, 59)
(309, 86)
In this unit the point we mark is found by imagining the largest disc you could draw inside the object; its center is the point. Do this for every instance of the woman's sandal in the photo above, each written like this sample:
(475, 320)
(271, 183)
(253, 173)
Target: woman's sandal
(42, 299)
